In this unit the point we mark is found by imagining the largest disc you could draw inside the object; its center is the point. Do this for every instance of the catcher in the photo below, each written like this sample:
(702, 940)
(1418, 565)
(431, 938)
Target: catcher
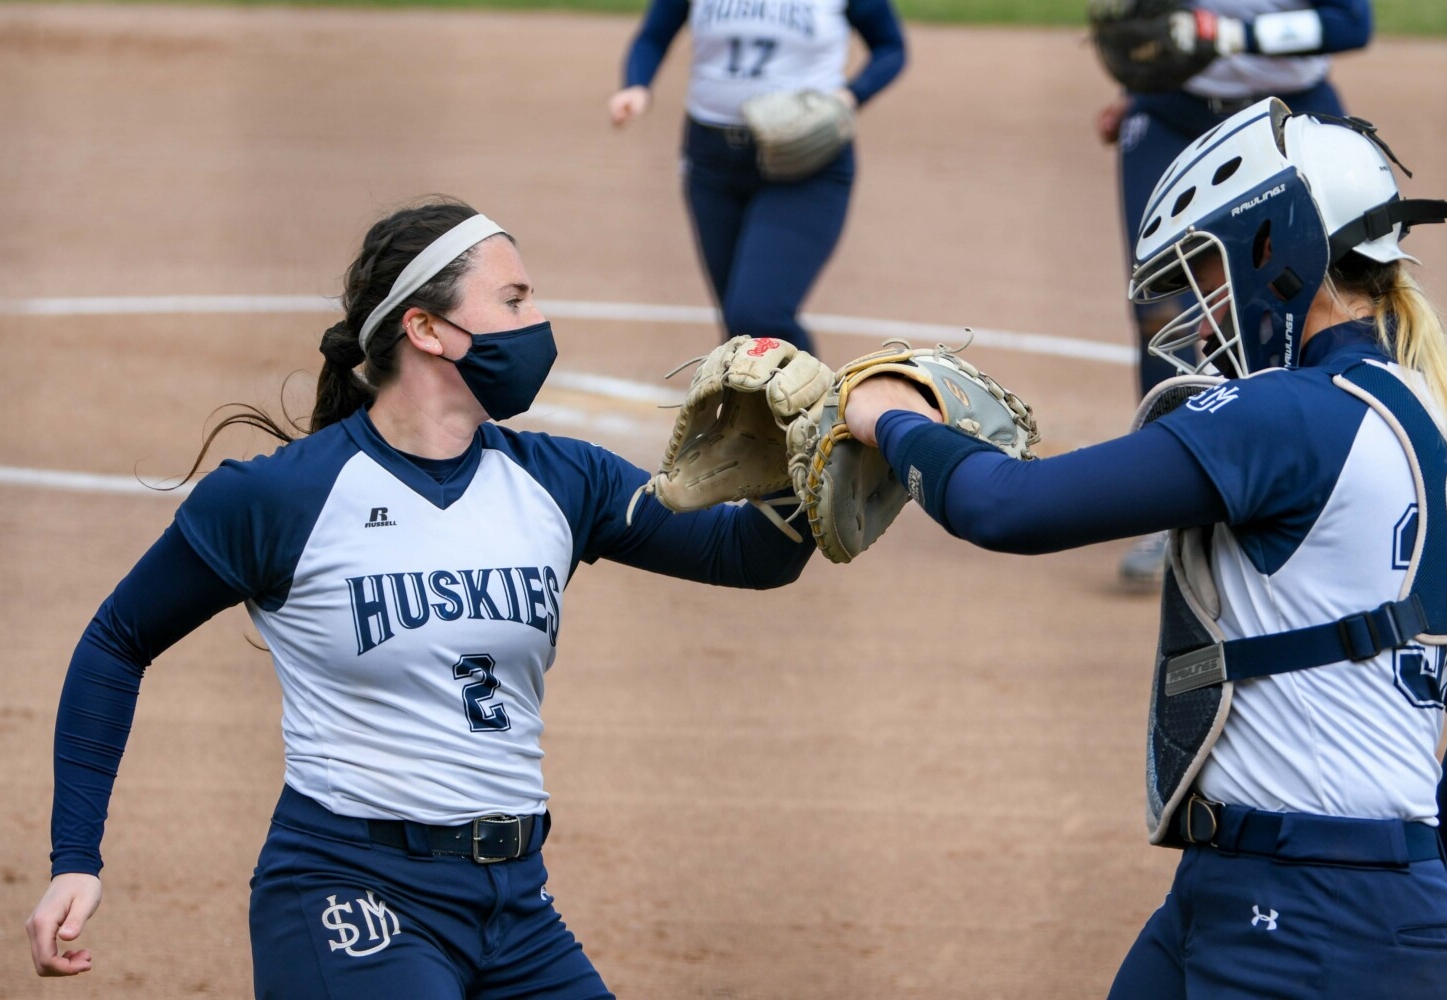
(768, 151)
(1184, 69)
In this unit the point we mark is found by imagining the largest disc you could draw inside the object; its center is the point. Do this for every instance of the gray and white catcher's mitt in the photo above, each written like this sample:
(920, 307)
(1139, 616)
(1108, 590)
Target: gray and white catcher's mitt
(848, 490)
(797, 132)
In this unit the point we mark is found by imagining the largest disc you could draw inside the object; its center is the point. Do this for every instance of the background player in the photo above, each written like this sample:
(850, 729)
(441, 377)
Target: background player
(405, 564)
(1311, 864)
(762, 243)
(1268, 48)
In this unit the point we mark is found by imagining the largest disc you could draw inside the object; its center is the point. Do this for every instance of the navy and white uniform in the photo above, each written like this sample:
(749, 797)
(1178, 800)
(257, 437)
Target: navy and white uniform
(413, 609)
(764, 243)
(1287, 42)
(1305, 491)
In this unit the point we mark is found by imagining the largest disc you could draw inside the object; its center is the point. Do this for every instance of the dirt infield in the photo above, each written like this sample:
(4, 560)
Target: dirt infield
(940, 797)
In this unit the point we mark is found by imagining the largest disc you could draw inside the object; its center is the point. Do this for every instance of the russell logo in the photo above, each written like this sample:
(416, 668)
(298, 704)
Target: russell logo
(378, 519)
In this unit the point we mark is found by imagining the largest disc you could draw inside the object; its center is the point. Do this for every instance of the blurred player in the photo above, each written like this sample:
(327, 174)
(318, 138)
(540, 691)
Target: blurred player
(1264, 48)
(1298, 698)
(763, 243)
(405, 564)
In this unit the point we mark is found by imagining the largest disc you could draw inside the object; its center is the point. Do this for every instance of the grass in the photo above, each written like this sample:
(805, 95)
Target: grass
(1393, 17)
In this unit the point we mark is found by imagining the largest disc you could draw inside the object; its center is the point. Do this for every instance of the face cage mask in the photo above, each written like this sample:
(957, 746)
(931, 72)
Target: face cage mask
(1172, 274)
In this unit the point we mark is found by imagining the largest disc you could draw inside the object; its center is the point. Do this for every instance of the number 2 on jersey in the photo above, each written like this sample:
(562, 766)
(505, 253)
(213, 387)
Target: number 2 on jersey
(748, 58)
(481, 717)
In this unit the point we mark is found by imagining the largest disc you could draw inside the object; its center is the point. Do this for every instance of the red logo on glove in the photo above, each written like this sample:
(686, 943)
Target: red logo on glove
(762, 346)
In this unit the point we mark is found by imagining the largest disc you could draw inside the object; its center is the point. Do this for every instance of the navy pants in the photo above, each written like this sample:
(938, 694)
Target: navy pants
(334, 914)
(762, 243)
(1251, 927)
(1156, 128)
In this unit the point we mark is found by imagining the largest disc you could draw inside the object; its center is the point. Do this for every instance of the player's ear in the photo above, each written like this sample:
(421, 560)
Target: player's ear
(421, 329)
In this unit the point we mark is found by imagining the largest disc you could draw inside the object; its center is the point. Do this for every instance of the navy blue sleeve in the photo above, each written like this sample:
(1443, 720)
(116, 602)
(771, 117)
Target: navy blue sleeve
(250, 520)
(1345, 25)
(878, 25)
(169, 593)
(728, 545)
(661, 22)
(1133, 485)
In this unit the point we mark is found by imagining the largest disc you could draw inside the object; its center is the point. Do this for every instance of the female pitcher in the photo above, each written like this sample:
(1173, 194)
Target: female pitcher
(405, 564)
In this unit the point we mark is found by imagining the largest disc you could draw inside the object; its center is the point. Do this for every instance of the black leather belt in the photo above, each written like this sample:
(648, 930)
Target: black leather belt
(734, 135)
(1301, 837)
(486, 840)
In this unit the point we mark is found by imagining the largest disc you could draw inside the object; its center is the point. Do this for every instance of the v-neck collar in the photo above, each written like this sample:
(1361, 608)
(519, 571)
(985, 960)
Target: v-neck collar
(441, 495)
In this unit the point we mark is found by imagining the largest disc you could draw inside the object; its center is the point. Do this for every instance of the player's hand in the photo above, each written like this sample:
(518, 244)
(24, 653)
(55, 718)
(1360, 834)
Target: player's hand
(1108, 119)
(58, 919)
(628, 104)
(873, 398)
(1200, 31)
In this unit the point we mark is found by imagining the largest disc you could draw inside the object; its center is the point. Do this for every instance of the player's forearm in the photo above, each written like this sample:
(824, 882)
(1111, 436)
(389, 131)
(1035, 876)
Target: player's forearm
(726, 545)
(97, 705)
(877, 24)
(1334, 26)
(661, 23)
(1133, 485)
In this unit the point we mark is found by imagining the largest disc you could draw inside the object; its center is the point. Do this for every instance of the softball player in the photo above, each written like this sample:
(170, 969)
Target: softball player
(762, 243)
(1282, 52)
(1298, 697)
(405, 564)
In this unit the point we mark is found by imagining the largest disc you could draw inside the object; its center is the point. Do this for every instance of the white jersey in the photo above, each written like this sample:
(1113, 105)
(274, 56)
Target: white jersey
(411, 622)
(1249, 75)
(1322, 530)
(746, 47)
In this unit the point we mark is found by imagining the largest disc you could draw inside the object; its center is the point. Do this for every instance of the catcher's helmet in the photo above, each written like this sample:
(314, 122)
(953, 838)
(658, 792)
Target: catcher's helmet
(1277, 198)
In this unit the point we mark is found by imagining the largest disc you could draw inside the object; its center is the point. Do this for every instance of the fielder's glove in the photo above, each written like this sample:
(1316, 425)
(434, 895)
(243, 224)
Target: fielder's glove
(1151, 46)
(729, 439)
(797, 132)
(848, 490)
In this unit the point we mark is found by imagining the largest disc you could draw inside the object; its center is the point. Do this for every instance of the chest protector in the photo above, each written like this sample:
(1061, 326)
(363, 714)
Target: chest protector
(1196, 666)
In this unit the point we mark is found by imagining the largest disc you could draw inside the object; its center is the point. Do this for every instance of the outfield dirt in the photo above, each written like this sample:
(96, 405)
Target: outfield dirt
(919, 775)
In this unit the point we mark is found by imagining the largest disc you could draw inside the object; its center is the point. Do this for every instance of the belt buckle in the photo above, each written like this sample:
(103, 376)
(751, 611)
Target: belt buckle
(1209, 808)
(498, 819)
(738, 135)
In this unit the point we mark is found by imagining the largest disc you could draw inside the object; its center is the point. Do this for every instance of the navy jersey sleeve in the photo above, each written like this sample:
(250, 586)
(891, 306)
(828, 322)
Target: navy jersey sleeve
(1143, 482)
(734, 546)
(249, 521)
(661, 22)
(170, 592)
(877, 24)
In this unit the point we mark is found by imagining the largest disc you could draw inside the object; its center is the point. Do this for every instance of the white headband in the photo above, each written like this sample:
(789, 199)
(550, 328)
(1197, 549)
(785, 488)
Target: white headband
(424, 267)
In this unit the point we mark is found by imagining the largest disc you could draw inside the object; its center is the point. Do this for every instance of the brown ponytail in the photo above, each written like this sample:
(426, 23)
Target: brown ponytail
(389, 246)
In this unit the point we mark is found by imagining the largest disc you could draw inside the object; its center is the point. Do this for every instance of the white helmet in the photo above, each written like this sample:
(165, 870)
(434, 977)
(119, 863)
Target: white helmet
(1276, 199)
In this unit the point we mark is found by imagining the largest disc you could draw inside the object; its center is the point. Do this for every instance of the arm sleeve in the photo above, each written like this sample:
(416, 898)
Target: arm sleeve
(878, 25)
(729, 545)
(1333, 26)
(169, 593)
(661, 23)
(1133, 485)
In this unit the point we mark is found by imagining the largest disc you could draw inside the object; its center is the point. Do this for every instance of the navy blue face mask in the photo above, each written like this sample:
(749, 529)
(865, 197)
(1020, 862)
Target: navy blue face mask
(506, 370)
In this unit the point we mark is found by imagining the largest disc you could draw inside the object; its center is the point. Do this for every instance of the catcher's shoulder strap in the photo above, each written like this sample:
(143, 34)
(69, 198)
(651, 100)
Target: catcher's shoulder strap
(1419, 615)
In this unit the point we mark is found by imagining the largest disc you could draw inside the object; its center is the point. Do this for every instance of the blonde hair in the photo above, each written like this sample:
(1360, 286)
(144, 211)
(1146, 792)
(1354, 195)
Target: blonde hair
(1408, 326)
